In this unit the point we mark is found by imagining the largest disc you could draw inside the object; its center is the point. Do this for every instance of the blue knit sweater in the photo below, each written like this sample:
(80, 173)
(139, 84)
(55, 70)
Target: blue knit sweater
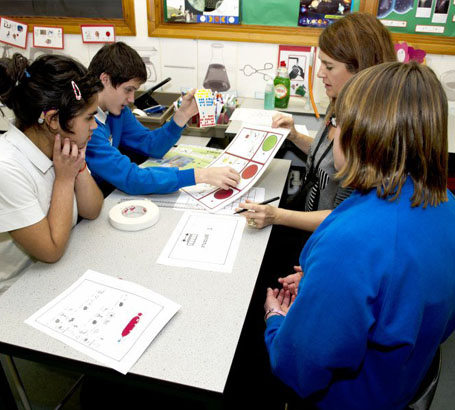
(107, 163)
(377, 299)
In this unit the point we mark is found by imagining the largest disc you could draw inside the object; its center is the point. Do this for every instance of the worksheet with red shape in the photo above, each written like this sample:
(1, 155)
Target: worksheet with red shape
(109, 319)
(250, 153)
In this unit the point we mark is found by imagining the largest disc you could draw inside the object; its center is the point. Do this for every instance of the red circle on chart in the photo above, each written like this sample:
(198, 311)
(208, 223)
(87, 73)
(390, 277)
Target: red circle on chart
(223, 193)
(250, 171)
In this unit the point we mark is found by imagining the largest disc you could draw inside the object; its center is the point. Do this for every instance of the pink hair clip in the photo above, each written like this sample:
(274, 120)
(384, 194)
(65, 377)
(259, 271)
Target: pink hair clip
(77, 92)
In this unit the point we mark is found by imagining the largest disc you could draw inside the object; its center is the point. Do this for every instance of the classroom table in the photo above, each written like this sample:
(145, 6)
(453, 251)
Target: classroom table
(195, 350)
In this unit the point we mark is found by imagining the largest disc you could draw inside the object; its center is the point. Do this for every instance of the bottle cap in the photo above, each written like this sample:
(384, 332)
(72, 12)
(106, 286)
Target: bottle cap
(282, 64)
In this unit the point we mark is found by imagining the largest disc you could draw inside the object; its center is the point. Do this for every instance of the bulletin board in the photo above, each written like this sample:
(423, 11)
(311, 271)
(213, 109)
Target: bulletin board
(70, 14)
(431, 17)
(255, 27)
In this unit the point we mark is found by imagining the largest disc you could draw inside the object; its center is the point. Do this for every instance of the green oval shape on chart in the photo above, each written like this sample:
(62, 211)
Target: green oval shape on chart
(269, 143)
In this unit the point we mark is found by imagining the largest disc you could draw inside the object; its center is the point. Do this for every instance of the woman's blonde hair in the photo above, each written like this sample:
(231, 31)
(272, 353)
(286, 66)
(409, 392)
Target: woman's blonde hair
(393, 120)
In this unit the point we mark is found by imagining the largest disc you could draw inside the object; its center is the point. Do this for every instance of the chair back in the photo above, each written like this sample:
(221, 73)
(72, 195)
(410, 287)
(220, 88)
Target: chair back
(424, 396)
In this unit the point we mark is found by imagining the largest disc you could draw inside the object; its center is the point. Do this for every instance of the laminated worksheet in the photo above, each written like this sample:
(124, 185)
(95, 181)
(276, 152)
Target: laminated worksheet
(204, 241)
(110, 320)
(250, 153)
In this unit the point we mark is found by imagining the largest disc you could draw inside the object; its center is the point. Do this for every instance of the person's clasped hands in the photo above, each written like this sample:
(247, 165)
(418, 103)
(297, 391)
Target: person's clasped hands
(279, 301)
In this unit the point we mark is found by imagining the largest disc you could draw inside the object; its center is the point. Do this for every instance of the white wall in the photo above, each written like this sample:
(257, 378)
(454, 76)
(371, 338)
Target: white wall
(185, 61)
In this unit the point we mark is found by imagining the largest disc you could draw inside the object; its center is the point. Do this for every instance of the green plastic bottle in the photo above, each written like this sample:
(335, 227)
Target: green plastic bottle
(282, 86)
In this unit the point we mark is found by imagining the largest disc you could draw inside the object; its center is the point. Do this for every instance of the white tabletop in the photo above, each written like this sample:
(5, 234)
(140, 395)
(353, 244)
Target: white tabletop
(197, 346)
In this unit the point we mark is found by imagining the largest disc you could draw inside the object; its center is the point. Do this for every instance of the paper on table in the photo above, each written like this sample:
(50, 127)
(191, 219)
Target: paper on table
(250, 153)
(109, 319)
(204, 241)
(185, 157)
(255, 116)
(182, 202)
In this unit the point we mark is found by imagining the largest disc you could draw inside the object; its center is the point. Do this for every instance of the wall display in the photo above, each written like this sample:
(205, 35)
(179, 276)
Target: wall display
(48, 37)
(434, 17)
(13, 32)
(69, 14)
(203, 11)
(322, 13)
(297, 61)
(97, 34)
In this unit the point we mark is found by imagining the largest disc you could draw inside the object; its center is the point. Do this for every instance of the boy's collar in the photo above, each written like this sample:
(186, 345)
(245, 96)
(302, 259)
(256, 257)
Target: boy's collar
(101, 115)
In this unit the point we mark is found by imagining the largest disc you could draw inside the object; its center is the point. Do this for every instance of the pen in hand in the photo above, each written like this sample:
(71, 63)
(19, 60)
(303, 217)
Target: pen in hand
(261, 203)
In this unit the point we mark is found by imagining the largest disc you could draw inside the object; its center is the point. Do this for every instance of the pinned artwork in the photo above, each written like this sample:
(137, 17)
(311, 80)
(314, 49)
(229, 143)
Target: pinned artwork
(203, 11)
(97, 34)
(48, 37)
(13, 32)
(320, 13)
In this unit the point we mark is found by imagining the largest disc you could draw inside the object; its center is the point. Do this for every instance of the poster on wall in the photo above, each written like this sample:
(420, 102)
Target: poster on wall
(323, 12)
(434, 17)
(203, 11)
(97, 34)
(13, 32)
(48, 37)
(297, 59)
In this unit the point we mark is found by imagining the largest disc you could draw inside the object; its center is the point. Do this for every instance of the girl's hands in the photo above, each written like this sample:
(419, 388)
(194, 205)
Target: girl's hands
(68, 159)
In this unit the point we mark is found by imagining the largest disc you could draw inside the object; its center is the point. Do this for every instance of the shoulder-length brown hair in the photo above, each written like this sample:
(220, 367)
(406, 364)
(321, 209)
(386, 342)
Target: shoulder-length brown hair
(359, 41)
(393, 120)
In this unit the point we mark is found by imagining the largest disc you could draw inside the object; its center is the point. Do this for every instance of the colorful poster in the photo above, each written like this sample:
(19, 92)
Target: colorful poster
(249, 153)
(97, 34)
(433, 17)
(297, 61)
(13, 32)
(48, 37)
(202, 11)
(321, 13)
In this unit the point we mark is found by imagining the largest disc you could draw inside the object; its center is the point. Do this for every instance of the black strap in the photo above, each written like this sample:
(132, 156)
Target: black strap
(323, 137)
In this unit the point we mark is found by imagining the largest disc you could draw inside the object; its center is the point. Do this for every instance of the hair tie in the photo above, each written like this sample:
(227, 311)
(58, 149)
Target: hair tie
(77, 92)
(27, 74)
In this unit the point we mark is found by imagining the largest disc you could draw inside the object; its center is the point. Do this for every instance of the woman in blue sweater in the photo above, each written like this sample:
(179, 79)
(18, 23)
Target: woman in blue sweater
(377, 296)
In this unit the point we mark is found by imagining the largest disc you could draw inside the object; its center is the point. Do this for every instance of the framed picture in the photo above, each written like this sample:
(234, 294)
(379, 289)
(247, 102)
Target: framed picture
(13, 32)
(98, 34)
(297, 59)
(48, 37)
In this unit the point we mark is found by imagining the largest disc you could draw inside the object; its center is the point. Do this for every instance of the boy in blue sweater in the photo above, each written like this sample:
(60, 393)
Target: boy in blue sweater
(377, 294)
(122, 71)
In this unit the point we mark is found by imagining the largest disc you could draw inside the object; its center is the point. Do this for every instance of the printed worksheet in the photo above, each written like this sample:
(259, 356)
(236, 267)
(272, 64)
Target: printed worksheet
(204, 241)
(109, 319)
(185, 157)
(250, 153)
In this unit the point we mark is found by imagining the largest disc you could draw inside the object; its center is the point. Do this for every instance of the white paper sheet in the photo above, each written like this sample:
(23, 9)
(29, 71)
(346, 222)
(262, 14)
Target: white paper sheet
(204, 241)
(109, 319)
(255, 116)
(250, 153)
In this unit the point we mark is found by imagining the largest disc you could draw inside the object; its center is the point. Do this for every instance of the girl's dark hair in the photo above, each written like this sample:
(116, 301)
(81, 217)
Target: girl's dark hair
(29, 89)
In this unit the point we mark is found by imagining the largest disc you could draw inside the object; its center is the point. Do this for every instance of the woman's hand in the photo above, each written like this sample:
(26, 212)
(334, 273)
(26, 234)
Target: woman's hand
(223, 177)
(291, 282)
(279, 300)
(68, 159)
(187, 109)
(285, 121)
(259, 216)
